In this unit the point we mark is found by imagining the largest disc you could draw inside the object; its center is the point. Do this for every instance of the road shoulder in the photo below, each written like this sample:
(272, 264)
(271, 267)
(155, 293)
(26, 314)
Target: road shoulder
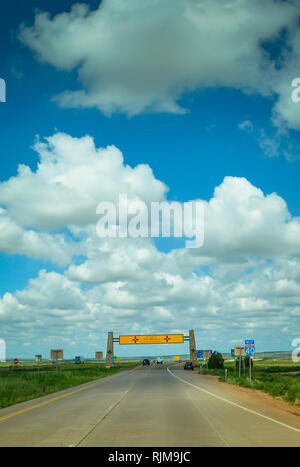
(255, 394)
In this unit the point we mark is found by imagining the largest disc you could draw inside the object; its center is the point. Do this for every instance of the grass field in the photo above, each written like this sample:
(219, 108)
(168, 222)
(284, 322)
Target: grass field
(25, 383)
(278, 378)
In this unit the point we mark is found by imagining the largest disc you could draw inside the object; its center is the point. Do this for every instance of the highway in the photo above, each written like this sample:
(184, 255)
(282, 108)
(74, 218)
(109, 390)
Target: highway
(160, 405)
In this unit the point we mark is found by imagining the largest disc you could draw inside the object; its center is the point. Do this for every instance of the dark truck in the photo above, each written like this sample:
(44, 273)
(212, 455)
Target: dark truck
(79, 360)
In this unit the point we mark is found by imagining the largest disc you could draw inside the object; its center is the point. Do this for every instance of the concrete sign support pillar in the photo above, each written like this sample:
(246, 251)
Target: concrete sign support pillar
(109, 350)
(193, 349)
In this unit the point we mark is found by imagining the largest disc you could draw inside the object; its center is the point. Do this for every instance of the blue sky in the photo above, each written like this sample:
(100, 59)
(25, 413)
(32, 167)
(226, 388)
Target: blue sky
(190, 152)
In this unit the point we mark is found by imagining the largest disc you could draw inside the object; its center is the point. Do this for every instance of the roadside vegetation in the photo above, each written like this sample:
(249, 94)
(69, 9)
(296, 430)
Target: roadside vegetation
(278, 378)
(19, 384)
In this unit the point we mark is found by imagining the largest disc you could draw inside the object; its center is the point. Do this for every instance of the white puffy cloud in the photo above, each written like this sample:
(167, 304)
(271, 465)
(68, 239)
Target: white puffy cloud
(52, 291)
(47, 312)
(40, 245)
(241, 220)
(135, 57)
(286, 112)
(53, 308)
(245, 277)
(72, 177)
(240, 223)
(110, 260)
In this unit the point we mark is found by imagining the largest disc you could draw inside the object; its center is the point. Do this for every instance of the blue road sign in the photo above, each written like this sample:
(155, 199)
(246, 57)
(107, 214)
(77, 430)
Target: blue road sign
(200, 354)
(250, 351)
(249, 342)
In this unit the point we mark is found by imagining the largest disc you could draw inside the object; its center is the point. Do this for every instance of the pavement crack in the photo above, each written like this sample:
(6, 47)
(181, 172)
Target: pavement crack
(111, 408)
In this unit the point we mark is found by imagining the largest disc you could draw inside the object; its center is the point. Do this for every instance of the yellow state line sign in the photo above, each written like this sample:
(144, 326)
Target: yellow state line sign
(152, 339)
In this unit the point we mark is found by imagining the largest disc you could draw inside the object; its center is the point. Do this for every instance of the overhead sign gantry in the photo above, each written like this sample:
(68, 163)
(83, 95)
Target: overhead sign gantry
(136, 339)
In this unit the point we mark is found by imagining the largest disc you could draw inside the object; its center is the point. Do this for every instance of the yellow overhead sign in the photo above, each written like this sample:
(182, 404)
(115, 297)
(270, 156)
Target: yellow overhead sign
(152, 339)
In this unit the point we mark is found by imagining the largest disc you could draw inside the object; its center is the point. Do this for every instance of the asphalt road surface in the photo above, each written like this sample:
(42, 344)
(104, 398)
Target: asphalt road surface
(160, 405)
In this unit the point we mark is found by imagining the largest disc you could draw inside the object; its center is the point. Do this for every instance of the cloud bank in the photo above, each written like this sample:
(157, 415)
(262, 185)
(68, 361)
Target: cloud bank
(134, 57)
(246, 277)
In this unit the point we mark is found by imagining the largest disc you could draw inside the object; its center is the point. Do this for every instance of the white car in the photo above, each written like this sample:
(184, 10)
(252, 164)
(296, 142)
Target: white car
(159, 360)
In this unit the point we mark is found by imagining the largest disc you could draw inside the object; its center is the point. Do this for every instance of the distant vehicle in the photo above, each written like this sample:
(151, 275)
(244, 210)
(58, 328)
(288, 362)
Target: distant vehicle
(188, 366)
(159, 360)
(79, 360)
(146, 361)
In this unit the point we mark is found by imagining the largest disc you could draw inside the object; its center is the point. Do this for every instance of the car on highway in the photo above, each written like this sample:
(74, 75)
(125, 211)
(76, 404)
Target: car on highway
(188, 366)
(159, 360)
(146, 361)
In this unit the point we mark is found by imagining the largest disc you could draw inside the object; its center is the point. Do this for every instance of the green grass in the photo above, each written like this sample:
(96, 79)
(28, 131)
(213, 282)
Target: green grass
(19, 386)
(267, 377)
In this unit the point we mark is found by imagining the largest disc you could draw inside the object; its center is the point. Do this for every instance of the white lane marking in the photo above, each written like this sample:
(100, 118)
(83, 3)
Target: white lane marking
(234, 404)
